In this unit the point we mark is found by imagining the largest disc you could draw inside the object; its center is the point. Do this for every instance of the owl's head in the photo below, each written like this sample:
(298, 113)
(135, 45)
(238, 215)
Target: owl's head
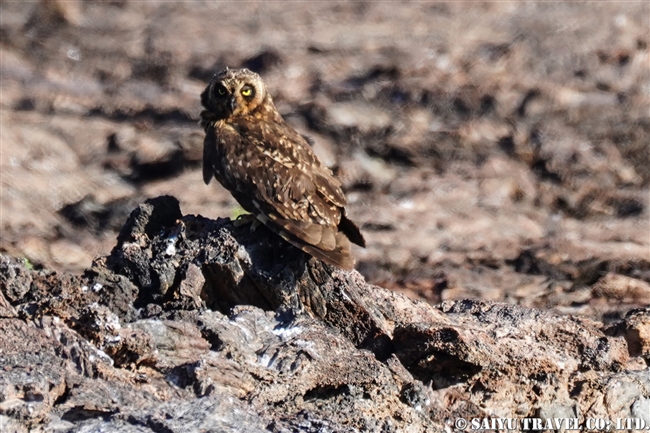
(235, 93)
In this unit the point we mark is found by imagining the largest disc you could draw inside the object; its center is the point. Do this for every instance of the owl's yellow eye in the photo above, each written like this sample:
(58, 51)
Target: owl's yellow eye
(220, 90)
(247, 91)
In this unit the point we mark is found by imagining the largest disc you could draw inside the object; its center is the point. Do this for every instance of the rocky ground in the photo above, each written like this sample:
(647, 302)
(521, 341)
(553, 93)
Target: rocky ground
(194, 325)
(493, 151)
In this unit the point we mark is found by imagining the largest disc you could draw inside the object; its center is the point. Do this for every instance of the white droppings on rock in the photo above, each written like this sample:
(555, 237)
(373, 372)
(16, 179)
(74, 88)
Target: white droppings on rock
(101, 354)
(171, 245)
(243, 255)
(266, 361)
(112, 339)
(286, 333)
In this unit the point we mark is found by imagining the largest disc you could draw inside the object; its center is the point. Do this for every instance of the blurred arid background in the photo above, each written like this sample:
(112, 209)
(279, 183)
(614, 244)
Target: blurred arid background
(495, 150)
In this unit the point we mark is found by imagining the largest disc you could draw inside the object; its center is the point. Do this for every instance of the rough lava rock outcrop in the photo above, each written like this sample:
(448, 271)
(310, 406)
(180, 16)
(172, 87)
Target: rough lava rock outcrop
(194, 325)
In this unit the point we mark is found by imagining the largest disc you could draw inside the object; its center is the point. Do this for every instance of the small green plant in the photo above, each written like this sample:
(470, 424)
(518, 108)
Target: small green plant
(237, 212)
(29, 265)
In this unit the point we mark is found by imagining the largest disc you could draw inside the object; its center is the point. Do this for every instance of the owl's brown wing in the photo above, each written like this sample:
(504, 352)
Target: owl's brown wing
(283, 144)
(210, 155)
(273, 173)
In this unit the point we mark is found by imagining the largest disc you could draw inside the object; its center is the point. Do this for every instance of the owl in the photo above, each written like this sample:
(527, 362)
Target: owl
(271, 170)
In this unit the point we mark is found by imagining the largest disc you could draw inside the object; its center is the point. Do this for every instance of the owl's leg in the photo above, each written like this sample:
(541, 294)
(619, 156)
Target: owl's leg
(255, 224)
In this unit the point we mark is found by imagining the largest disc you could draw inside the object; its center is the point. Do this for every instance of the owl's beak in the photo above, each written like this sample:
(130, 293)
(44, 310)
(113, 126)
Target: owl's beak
(233, 105)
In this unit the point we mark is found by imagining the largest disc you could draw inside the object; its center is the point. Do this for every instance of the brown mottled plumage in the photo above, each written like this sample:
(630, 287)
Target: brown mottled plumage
(271, 170)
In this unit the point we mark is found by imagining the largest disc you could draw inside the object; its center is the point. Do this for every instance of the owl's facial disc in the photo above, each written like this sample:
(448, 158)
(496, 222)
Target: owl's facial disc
(234, 93)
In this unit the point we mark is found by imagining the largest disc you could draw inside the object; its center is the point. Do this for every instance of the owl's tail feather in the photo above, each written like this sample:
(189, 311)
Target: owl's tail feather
(341, 256)
(351, 230)
(323, 242)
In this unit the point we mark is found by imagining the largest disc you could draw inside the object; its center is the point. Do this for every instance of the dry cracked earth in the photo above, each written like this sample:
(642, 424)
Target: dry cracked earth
(497, 152)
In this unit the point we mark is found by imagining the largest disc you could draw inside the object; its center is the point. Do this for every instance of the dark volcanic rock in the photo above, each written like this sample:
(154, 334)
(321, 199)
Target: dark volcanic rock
(197, 325)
